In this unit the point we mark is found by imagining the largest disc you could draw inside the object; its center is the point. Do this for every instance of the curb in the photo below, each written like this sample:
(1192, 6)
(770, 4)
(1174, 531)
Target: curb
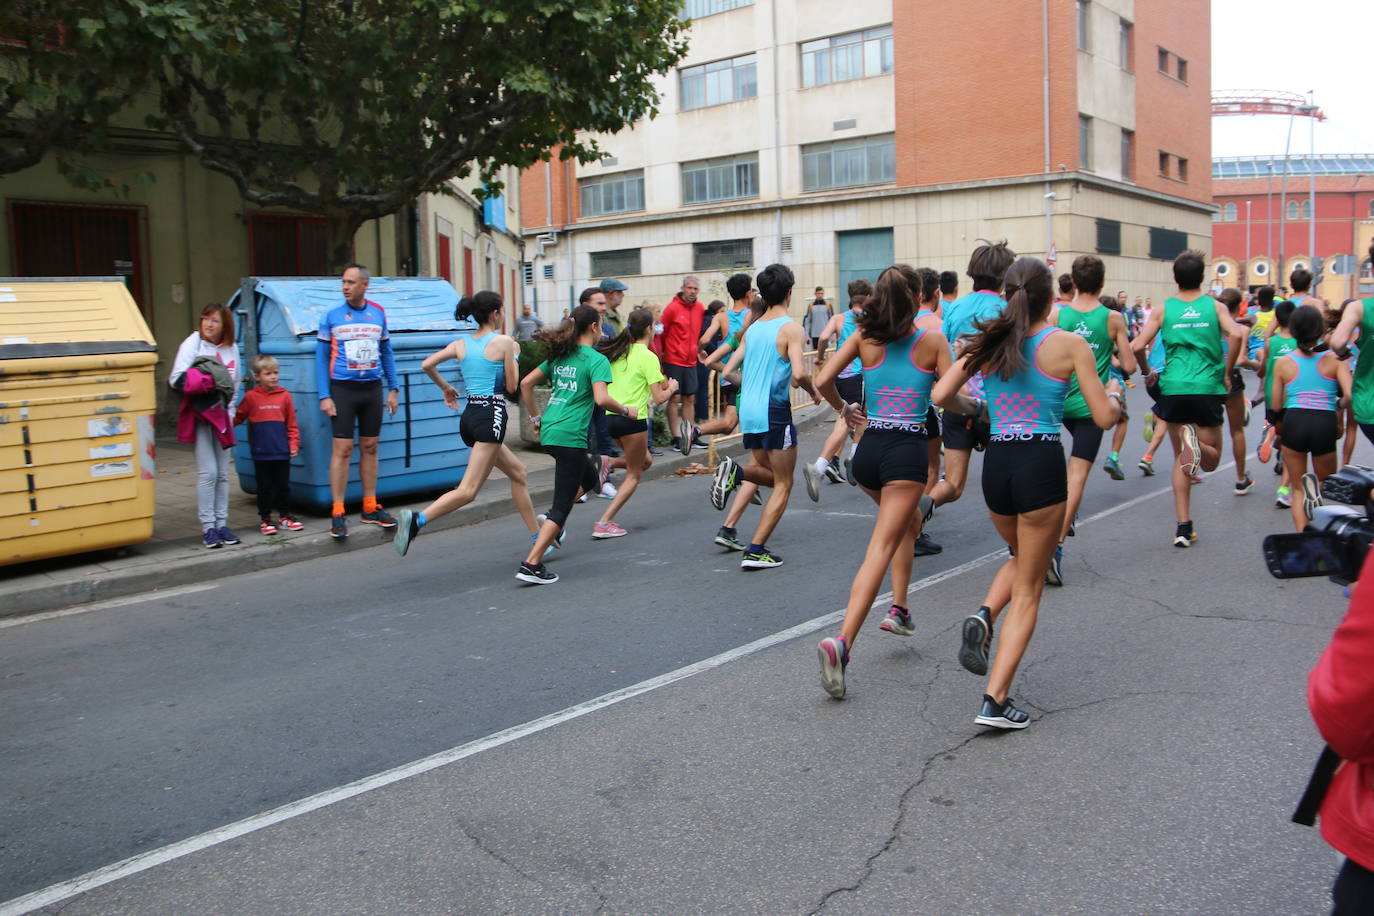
(175, 566)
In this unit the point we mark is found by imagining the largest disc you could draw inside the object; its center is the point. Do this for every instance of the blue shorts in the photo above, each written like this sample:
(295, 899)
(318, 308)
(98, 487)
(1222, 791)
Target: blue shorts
(779, 438)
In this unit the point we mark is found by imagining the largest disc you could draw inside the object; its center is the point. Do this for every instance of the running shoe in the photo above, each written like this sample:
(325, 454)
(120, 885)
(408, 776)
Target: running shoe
(536, 575)
(832, 470)
(1001, 715)
(1055, 574)
(684, 437)
(1283, 498)
(266, 527)
(227, 537)
(757, 498)
(729, 539)
(539, 521)
(406, 531)
(726, 479)
(1196, 478)
(603, 471)
(977, 639)
(698, 442)
(812, 479)
(584, 497)
(289, 523)
(379, 516)
(1113, 467)
(764, 559)
(848, 464)
(1266, 446)
(211, 538)
(608, 490)
(1147, 466)
(338, 527)
(1311, 494)
(1148, 431)
(834, 655)
(603, 530)
(1189, 451)
(898, 621)
(655, 450)
(925, 547)
(1185, 536)
(1244, 486)
(927, 507)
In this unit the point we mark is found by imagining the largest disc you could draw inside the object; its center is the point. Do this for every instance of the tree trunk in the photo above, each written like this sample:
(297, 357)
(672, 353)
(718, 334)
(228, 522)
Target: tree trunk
(341, 232)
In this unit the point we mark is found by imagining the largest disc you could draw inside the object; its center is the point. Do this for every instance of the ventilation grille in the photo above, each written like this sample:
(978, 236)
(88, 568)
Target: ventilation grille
(785, 243)
(548, 271)
(528, 270)
(608, 161)
(847, 124)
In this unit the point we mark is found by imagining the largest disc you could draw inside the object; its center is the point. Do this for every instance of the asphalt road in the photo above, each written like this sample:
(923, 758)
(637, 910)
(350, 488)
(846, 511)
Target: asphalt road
(1170, 744)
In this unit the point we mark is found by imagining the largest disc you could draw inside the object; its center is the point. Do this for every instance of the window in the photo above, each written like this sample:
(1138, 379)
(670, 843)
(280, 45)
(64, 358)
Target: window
(1083, 26)
(288, 246)
(1223, 270)
(1170, 64)
(1371, 208)
(73, 240)
(622, 192)
(695, 9)
(623, 262)
(730, 254)
(727, 178)
(1228, 212)
(1128, 154)
(1167, 244)
(847, 57)
(716, 83)
(1085, 142)
(1171, 166)
(849, 163)
(1307, 209)
(1126, 44)
(1291, 210)
(1108, 236)
(1182, 168)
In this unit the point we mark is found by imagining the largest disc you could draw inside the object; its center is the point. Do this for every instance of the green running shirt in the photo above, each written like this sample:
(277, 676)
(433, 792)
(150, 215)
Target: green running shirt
(1194, 358)
(1092, 327)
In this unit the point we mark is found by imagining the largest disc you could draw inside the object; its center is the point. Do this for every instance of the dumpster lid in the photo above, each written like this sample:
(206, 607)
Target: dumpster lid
(70, 317)
(411, 303)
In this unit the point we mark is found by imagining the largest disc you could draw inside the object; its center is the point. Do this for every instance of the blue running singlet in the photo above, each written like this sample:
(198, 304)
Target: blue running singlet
(847, 328)
(482, 377)
(896, 390)
(1310, 390)
(1031, 402)
(765, 379)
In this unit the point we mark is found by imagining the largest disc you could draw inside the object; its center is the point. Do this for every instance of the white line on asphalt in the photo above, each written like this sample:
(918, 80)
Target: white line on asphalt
(113, 602)
(153, 858)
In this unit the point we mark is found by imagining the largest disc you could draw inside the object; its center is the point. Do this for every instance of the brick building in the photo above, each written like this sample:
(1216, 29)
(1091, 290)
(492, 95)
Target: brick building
(1264, 226)
(838, 138)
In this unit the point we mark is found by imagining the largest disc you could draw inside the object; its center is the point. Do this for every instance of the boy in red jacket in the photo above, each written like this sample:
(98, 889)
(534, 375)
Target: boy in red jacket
(274, 439)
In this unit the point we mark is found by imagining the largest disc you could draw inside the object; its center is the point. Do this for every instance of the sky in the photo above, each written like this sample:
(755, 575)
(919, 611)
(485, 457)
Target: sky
(1333, 63)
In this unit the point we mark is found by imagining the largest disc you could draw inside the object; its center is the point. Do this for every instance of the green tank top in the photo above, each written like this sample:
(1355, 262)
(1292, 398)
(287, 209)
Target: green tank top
(1362, 393)
(1275, 348)
(1194, 359)
(1092, 327)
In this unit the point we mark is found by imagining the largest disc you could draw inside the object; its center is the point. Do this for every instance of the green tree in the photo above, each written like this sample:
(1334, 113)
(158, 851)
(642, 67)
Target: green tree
(351, 109)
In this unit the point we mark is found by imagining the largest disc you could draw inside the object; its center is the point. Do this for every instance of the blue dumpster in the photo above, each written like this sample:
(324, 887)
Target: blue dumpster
(419, 450)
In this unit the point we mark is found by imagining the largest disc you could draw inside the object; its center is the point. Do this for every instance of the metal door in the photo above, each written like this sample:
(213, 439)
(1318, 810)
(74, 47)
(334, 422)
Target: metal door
(862, 253)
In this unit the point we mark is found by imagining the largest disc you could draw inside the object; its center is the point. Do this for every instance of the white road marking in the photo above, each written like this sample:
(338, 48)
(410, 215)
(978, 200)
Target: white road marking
(153, 858)
(113, 602)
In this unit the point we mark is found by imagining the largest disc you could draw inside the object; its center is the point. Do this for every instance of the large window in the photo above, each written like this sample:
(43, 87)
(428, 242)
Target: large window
(730, 254)
(288, 246)
(727, 178)
(1228, 212)
(1167, 244)
(847, 57)
(849, 163)
(1085, 142)
(1108, 236)
(622, 262)
(695, 9)
(72, 240)
(1299, 210)
(622, 192)
(719, 82)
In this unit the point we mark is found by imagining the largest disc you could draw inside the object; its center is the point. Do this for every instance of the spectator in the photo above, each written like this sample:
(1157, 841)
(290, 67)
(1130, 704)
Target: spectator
(681, 353)
(273, 439)
(818, 315)
(527, 325)
(615, 294)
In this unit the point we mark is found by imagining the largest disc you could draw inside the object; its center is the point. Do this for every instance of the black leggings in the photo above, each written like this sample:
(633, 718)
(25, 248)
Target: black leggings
(573, 468)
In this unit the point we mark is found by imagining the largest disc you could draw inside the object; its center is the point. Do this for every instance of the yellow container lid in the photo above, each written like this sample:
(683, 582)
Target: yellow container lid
(70, 317)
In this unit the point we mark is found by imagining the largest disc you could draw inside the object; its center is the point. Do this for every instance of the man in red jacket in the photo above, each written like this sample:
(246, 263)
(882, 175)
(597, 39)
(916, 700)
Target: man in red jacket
(1340, 693)
(681, 350)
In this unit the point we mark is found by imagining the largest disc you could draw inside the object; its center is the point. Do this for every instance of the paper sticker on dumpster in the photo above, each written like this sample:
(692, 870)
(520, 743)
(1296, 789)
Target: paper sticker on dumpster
(107, 426)
(113, 450)
(112, 468)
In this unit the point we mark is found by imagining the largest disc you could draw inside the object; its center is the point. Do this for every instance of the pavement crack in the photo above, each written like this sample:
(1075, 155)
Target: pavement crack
(486, 850)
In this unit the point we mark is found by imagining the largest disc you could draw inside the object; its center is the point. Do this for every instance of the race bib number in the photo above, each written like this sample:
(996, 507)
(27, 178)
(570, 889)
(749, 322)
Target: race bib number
(361, 353)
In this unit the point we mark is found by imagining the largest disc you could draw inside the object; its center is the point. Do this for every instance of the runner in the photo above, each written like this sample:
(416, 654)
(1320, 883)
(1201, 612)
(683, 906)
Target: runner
(1359, 316)
(962, 434)
(1313, 388)
(1193, 384)
(850, 384)
(925, 286)
(579, 376)
(1113, 463)
(1104, 330)
(728, 322)
(772, 356)
(1026, 364)
(487, 361)
(1280, 342)
(899, 365)
(1261, 328)
(1333, 321)
(636, 378)
(1237, 408)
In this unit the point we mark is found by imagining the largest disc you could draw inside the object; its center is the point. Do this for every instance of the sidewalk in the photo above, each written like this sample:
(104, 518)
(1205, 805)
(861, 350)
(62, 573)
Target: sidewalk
(175, 555)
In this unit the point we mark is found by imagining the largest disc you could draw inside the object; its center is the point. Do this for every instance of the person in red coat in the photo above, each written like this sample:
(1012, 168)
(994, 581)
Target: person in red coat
(1340, 694)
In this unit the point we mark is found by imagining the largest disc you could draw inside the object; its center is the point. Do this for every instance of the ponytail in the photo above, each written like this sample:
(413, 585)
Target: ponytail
(562, 340)
(997, 348)
(888, 314)
(1307, 326)
(478, 307)
(640, 320)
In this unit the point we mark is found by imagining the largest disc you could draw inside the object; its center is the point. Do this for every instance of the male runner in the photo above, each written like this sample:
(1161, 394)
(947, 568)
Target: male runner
(849, 384)
(726, 323)
(949, 288)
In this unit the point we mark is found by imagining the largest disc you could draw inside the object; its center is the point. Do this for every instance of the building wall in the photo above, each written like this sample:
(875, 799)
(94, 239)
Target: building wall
(1173, 116)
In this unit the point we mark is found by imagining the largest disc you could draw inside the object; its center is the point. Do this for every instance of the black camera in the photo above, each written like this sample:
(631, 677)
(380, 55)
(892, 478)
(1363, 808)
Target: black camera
(1337, 538)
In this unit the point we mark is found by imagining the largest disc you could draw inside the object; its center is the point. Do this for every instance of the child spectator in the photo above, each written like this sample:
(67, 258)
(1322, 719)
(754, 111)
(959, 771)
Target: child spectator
(274, 439)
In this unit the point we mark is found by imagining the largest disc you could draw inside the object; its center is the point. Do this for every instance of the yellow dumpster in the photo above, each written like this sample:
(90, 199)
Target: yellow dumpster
(76, 418)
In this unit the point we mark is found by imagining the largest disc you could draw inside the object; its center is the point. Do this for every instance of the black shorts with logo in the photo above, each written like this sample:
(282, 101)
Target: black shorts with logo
(483, 420)
(887, 455)
(1023, 476)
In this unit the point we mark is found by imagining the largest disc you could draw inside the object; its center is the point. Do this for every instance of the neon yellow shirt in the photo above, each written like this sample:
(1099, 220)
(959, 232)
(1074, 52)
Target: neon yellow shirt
(632, 375)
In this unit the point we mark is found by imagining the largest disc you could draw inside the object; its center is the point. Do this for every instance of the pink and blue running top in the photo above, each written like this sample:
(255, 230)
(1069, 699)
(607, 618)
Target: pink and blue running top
(764, 399)
(896, 389)
(482, 377)
(1031, 402)
(1310, 390)
(847, 328)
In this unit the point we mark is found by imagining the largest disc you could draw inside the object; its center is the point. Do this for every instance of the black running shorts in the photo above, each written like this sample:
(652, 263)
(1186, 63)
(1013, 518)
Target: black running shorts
(483, 420)
(356, 403)
(964, 433)
(1021, 477)
(1310, 431)
(620, 427)
(779, 438)
(1087, 437)
(1198, 409)
(851, 390)
(687, 382)
(887, 455)
(729, 396)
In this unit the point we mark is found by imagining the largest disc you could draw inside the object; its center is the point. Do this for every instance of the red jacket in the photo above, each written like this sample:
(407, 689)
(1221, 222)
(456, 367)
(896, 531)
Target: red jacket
(272, 431)
(682, 332)
(200, 405)
(1340, 693)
